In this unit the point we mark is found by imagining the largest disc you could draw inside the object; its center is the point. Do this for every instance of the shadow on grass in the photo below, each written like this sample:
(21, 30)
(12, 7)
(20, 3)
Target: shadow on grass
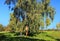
(4, 38)
(58, 39)
(50, 36)
(53, 38)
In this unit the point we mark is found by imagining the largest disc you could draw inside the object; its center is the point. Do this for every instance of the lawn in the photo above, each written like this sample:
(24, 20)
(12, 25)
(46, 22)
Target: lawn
(41, 36)
(49, 35)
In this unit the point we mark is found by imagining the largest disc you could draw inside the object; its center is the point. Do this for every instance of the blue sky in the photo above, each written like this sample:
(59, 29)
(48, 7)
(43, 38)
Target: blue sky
(5, 13)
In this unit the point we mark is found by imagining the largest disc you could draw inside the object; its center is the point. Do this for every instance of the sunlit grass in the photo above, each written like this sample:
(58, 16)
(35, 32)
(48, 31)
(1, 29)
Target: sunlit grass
(45, 35)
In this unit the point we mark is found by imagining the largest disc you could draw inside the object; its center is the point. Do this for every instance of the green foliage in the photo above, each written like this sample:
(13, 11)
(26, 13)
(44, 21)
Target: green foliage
(48, 21)
(34, 14)
(1, 27)
(12, 23)
(58, 25)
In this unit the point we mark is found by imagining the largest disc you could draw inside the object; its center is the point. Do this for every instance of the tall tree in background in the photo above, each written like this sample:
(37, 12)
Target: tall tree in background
(34, 14)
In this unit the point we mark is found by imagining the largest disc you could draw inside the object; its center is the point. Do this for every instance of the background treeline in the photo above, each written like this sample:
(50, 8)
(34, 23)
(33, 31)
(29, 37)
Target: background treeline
(9, 29)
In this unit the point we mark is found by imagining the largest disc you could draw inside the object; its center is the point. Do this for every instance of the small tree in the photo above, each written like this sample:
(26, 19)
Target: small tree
(1, 27)
(58, 26)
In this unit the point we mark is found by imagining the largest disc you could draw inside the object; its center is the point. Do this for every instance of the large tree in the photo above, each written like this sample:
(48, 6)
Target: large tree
(34, 14)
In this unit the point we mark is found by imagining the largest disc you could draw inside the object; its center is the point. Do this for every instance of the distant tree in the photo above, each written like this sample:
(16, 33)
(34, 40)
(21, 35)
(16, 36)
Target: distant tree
(58, 26)
(1, 27)
(7, 29)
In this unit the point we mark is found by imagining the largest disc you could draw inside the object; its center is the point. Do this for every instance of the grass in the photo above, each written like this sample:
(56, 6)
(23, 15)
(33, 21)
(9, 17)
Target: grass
(55, 34)
(49, 35)
(45, 35)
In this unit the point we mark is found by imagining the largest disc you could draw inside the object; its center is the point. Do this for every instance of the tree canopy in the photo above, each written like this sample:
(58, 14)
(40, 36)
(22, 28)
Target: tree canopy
(34, 14)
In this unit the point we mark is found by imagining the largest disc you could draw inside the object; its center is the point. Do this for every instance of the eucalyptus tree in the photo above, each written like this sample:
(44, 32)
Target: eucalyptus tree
(34, 14)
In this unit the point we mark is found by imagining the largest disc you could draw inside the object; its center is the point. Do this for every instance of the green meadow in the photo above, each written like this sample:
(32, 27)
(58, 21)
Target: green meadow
(41, 36)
